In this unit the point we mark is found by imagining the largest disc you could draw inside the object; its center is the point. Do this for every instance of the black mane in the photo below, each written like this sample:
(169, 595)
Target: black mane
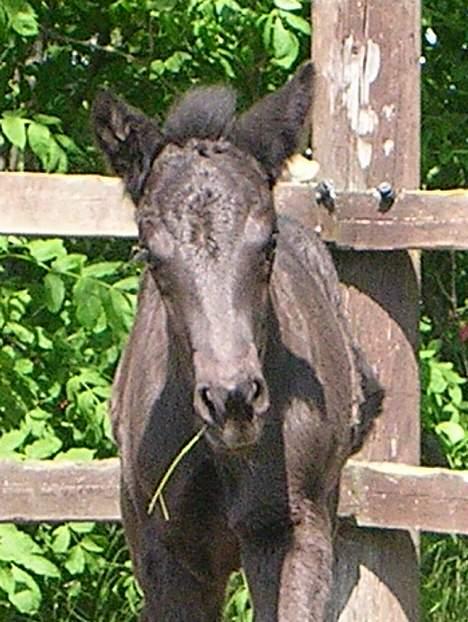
(205, 113)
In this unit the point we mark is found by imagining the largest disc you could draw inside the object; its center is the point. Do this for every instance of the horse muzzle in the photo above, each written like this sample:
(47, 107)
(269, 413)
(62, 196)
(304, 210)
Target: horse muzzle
(233, 411)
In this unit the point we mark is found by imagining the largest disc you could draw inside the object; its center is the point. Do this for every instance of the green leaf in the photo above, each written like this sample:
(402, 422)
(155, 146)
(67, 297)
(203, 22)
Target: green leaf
(84, 527)
(43, 447)
(118, 310)
(288, 5)
(22, 333)
(285, 44)
(16, 544)
(15, 130)
(298, 23)
(69, 263)
(88, 311)
(175, 62)
(75, 563)
(89, 543)
(61, 540)
(26, 601)
(456, 394)
(39, 565)
(100, 269)
(44, 250)
(39, 138)
(437, 383)
(23, 19)
(43, 340)
(10, 441)
(7, 581)
(77, 454)
(157, 68)
(46, 119)
(129, 284)
(452, 431)
(68, 144)
(23, 367)
(268, 30)
(54, 292)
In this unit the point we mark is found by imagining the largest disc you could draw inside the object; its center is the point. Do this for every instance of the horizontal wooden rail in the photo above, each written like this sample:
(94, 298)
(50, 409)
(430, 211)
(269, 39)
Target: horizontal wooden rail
(91, 205)
(375, 494)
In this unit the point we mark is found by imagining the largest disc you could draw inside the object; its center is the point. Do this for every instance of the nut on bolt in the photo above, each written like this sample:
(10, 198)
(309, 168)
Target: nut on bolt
(325, 195)
(386, 196)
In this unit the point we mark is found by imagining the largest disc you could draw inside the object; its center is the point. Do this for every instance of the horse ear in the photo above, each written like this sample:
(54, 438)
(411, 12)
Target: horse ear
(270, 129)
(128, 138)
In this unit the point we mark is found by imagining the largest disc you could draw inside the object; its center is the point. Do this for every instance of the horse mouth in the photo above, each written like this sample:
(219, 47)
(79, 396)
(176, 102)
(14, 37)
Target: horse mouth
(235, 436)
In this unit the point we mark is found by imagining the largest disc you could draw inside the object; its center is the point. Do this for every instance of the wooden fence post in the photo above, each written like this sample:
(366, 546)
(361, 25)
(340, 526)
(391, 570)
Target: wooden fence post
(366, 131)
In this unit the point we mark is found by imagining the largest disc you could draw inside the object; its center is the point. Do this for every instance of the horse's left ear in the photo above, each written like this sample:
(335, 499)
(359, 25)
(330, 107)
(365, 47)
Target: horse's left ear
(270, 129)
(128, 138)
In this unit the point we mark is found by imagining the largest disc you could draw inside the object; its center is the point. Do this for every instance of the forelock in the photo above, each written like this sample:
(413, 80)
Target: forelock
(204, 113)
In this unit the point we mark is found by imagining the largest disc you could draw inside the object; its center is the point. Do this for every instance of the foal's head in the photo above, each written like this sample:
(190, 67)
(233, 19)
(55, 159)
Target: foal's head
(202, 186)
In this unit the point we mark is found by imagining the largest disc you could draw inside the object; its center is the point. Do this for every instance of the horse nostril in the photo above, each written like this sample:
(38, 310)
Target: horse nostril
(259, 395)
(257, 390)
(209, 404)
(204, 393)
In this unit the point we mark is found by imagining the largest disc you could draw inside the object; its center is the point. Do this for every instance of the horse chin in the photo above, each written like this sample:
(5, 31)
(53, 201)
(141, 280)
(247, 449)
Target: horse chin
(235, 436)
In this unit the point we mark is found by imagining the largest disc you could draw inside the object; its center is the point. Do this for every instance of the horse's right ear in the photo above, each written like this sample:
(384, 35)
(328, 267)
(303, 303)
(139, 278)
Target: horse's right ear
(128, 138)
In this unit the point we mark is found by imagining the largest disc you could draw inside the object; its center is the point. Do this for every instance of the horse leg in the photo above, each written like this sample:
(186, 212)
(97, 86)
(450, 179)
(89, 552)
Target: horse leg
(289, 570)
(181, 565)
(173, 593)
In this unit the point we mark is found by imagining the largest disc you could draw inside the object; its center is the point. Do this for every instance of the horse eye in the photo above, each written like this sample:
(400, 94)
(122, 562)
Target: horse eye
(139, 254)
(143, 254)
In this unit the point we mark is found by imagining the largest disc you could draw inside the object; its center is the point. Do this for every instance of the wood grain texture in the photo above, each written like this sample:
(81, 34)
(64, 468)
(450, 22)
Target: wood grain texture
(47, 491)
(95, 206)
(64, 205)
(365, 128)
(373, 494)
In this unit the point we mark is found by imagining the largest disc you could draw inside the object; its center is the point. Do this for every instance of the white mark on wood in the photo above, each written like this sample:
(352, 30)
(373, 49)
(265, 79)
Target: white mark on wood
(367, 121)
(393, 447)
(364, 152)
(371, 69)
(388, 147)
(361, 67)
(388, 111)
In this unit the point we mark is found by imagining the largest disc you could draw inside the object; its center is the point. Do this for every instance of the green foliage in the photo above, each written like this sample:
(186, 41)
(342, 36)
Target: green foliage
(444, 570)
(63, 318)
(57, 54)
(89, 562)
(444, 94)
(444, 362)
(238, 608)
(444, 403)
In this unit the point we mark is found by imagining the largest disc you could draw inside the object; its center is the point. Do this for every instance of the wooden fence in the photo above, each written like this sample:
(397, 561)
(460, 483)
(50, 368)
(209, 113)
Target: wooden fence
(365, 131)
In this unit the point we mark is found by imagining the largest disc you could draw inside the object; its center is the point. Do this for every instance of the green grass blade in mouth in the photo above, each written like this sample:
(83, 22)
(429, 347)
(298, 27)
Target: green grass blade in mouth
(158, 494)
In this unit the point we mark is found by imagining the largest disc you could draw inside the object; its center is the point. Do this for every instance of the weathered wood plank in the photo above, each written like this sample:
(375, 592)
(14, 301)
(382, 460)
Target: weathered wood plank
(64, 205)
(374, 494)
(365, 129)
(47, 491)
(92, 205)
(399, 496)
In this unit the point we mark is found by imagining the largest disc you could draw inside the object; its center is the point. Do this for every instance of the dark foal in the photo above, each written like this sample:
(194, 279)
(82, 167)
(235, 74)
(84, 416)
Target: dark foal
(239, 328)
